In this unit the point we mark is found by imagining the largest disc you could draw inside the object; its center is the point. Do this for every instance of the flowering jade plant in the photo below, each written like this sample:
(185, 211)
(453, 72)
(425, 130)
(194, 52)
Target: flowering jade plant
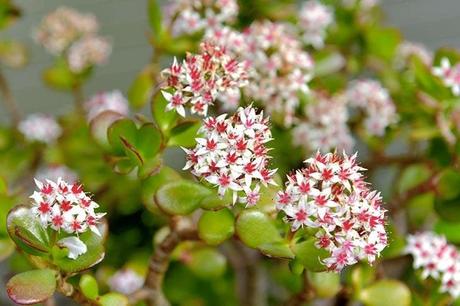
(270, 153)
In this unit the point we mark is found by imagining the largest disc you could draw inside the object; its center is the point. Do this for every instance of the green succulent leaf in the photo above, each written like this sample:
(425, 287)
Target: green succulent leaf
(155, 19)
(113, 299)
(386, 292)
(207, 263)
(26, 231)
(255, 229)
(32, 287)
(141, 89)
(184, 134)
(180, 197)
(124, 128)
(310, 256)
(163, 118)
(215, 227)
(448, 184)
(60, 77)
(277, 249)
(89, 287)
(325, 284)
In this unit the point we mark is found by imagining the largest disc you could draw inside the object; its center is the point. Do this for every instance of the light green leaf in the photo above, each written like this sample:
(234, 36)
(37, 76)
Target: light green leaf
(215, 227)
(180, 197)
(32, 287)
(326, 284)
(310, 256)
(113, 299)
(141, 89)
(255, 229)
(163, 118)
(184, 134)
(155, 19)
(386, 292)
(207, 263)
(89, 287)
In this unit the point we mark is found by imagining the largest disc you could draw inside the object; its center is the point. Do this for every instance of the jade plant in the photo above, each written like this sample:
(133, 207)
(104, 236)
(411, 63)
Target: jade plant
(269, 153)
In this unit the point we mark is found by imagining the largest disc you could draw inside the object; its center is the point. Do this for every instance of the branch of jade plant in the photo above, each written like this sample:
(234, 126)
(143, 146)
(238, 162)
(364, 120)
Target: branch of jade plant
(8, 100)
(79, 99)
(250, 286)
(181, 229)
(73, 293)
(305, 295)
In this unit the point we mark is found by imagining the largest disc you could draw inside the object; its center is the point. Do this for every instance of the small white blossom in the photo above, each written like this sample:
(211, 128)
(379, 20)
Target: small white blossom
(375, 101)
(75, 246)
(330, 194)
(126, 281)
(53, 172)
(408, 49)
(232, 155)
(40, 127)
(449, 74)
(88, 51)
(437, 259)
(113, 101)
(314, 19)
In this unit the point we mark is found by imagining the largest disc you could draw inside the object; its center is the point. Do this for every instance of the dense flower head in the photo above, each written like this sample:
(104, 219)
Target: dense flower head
(232, 154)
(64, 206)
(53, 172)
(59, 29)
(314, 19)
(89, 51)
(375, 101)
(280, 69)
(126, 281)
(325, 127)
(449, 74)
(113, 101)
(407, 49)
(330, 194)
(40, 127)
(203, 78)
(191, 16)
(437, 259)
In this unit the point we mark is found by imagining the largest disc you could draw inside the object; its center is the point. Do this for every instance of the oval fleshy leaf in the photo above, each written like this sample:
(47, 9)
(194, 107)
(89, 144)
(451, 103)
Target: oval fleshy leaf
(215, 227)
(27, 232)
(386, 292)
(32, 287)
(180, 197)
(113, 299)
(207, 263)
(89, 287)
(310, 256)
(255, 228)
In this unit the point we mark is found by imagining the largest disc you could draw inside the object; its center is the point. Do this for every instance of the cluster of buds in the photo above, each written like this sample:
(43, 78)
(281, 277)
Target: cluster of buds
(202, 79)
(233, 156)
(329, 194)
(449, 74)
(192, 16)
(53, 172)
(74, 35)
(437, 259)
(408, 49)
(40, 127)
(279, 68)
(314, 19)
(375, 101)
(63, 206)
(326, 126)
(112, 101)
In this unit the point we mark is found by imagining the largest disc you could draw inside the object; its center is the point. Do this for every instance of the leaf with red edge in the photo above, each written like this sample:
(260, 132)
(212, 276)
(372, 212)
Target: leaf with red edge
(32, 287)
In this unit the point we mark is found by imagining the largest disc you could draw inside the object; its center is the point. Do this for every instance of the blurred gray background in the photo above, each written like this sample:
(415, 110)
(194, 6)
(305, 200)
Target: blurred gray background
(432, 22)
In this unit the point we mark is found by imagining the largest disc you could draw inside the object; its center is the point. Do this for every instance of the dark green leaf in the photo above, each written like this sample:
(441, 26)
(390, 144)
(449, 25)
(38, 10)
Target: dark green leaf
(184, 134)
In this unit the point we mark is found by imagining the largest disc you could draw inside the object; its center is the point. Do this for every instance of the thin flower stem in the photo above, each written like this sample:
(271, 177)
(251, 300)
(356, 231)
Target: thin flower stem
(79, 98)
(180, 230)
(305, 295)
(8, 100)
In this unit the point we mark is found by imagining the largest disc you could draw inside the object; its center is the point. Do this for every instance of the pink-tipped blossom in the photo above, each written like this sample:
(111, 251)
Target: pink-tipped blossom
(113, 101)
(126, 281)
(330, 195)
(59, 29)
(314, 19)
(437, 259)
(202, 79)
(89, 51)
(53, 172)
(375, 101)
(40, 127)
(192, 16)
(449, 74)
(325, 126)
(232, 154)
(408, 49)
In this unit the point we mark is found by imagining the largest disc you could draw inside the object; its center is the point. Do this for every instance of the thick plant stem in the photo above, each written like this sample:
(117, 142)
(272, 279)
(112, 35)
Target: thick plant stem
(305, 295)
(181, 230)
(73, 293)
(9, 101)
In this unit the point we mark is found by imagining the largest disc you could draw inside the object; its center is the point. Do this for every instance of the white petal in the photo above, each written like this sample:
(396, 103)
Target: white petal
(75, 246)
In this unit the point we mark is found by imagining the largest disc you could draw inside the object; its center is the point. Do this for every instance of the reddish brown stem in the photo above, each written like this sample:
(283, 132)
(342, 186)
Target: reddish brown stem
(9, 101)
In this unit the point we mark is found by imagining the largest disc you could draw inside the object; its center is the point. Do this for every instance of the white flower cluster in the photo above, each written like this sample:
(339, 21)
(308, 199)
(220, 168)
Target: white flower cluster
(233, 156)
(326, 126)
(202, 78)
(53, 172)
(437, 259)
(63, 206)
(88, 51)
(40, 127)
(113, 101)
(73, 34)
(126, 281)
(449, 74)
(314, 19)
(191, 16)
(330, 194)
(375, 101)
(408, 49)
